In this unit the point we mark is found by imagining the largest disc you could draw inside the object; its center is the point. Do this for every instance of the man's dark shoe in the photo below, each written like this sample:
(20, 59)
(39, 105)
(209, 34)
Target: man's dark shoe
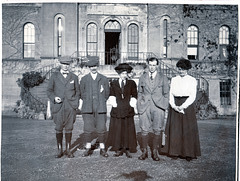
(144, 154)
(69, 154)
(59, 154)
(155, 155)
(118, 153)
(103, 153)
(88, 152)
(128, 154)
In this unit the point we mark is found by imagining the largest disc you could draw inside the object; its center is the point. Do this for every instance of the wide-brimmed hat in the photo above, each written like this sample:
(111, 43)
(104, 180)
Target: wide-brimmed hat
(92, 61)
(123, 67)
(65, 60)
(184, 64)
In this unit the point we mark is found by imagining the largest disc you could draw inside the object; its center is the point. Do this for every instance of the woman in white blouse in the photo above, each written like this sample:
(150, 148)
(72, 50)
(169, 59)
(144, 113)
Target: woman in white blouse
(182, 138)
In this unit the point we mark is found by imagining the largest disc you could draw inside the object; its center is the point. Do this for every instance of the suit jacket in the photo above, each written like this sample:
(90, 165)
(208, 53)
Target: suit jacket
(159, 94)
(123, 108)
(65, 88)
(86, 93)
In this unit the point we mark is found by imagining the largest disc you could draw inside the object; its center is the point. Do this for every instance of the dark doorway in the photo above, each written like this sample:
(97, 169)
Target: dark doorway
(111, 47)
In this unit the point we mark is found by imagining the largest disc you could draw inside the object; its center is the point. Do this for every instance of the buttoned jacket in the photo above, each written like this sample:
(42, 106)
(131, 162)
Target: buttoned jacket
(65, 88)
(159, 93)
(123, 108)
(87, 93)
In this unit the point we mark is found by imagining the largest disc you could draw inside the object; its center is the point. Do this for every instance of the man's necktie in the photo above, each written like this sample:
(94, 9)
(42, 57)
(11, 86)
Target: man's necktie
(122, 86)
(151, 77)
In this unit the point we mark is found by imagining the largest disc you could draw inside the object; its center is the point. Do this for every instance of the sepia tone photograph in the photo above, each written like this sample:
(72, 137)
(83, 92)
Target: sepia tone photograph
(120, 90)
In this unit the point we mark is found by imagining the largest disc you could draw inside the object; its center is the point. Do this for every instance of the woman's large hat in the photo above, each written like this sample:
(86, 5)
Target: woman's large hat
(123, 67)
(184, 64)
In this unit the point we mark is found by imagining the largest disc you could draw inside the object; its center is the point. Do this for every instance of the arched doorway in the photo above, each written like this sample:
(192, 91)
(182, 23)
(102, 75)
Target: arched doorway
(112, 31)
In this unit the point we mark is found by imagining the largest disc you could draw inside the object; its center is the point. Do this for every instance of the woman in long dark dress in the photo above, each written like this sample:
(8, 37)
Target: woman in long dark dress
(182, 138)
(123, 98)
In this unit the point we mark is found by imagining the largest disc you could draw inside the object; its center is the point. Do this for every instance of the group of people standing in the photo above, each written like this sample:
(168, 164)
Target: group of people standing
(154, 100)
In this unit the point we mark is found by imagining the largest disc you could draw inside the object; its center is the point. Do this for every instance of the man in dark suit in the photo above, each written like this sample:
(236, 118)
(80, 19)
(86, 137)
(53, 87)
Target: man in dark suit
(153, 93)
(64, 94)
(94, 88)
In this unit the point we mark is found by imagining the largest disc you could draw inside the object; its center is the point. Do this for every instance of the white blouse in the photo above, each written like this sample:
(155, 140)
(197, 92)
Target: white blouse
(183, 86)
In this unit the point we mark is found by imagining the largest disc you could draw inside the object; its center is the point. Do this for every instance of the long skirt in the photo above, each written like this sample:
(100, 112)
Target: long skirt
(122, 134)
(182, 138)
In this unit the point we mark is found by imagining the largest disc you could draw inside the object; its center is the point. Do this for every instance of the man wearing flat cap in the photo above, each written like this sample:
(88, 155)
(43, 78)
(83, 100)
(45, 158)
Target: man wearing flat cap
(94, 88)
(63, 92)
(152, 103)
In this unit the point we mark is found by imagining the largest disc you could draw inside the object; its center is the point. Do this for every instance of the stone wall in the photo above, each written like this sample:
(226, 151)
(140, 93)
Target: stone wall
(14, 17)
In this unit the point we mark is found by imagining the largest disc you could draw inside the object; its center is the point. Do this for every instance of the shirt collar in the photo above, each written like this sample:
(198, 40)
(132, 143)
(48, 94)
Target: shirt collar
(153, 74)
(94, 76)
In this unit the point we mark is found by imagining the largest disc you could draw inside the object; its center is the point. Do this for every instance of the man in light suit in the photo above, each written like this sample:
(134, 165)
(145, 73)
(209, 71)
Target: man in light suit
(153, 93)
(94, 88)
(63, 92)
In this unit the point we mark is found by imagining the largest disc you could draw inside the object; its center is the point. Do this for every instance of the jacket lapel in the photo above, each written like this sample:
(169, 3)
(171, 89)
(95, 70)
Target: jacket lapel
(147, 81)
(61, 78)
(157, 81)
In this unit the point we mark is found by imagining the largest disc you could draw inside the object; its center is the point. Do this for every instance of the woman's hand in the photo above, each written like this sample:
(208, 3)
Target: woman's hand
(180, 109)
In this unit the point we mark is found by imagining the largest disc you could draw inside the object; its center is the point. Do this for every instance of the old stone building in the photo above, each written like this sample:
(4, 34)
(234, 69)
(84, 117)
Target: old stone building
(36, 34)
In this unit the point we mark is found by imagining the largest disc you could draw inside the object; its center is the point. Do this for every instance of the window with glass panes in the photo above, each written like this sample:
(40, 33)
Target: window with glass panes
(59, 36)
(223, 41)
(192, 42)
(225, 92)
(29, 41)
(92, 39)
(165, 38)
(133, 38)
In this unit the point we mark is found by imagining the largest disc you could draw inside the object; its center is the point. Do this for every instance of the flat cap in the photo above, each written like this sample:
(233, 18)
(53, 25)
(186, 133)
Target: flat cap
(123, 67)
(65, 60)
(92, 61)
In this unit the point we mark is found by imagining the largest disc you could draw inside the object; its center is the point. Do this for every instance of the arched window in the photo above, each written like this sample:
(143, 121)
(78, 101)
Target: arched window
(59, 36)
(223, 41)
(92, 39)
(192, 42)
(165, 33)
(133, 41)
(29, 41)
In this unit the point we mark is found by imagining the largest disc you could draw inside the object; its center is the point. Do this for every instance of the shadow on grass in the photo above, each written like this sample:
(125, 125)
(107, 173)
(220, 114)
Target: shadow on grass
(136, 175)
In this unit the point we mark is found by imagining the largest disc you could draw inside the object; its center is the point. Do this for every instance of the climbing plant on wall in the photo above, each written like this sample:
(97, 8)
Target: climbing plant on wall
(30, 106)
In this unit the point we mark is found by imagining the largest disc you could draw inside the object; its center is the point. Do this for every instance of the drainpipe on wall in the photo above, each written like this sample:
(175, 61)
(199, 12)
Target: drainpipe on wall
(147, 28)
(77, 29)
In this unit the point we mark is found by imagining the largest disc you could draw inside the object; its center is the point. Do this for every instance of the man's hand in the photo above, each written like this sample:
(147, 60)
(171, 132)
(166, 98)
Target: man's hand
(58, 100)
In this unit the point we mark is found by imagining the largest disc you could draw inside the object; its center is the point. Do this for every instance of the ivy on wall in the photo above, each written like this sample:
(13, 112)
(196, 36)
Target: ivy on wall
(29, 106)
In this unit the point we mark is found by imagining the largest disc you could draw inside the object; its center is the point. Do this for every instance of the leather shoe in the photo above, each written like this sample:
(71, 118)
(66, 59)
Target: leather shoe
(103, 153)
(88, 152)
(155, 155)
(144, 155)
(188, 158)
(69, 154)
(128, 154)
(118, 153)
(59, 155)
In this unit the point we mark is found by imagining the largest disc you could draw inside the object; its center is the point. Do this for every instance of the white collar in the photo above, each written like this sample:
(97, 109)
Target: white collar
(153, 74)
(94, 76)
(120, 81)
